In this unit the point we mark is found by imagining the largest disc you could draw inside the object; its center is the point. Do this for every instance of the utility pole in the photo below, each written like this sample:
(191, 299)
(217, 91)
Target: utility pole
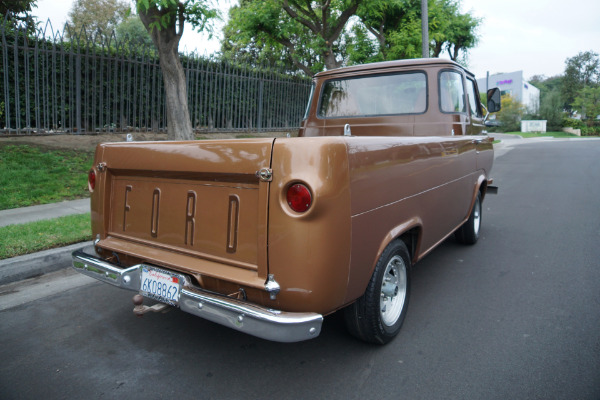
(425, 28)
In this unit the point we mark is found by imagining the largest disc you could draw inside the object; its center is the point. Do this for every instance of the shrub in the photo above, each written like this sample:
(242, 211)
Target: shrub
(593, 130)
(572, 123)
(511, 114)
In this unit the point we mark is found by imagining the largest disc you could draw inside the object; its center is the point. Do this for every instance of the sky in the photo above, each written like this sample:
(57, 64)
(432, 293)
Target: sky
(533, 36)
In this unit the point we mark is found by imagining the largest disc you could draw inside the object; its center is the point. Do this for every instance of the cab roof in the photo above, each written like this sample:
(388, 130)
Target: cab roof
(382, 66)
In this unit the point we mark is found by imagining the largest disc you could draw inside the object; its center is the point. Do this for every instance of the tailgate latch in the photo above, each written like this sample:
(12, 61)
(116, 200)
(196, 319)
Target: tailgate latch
(272, 287)
(265, 174)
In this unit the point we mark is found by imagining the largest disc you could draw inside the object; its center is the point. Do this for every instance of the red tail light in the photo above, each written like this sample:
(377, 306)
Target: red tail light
(299, 198)
(91, 180)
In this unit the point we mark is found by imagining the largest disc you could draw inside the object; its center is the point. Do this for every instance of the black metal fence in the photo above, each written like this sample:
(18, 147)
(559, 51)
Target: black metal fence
(64, 82)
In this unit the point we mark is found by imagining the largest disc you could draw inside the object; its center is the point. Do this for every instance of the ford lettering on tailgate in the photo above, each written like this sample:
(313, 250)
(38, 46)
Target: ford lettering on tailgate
(190, 216)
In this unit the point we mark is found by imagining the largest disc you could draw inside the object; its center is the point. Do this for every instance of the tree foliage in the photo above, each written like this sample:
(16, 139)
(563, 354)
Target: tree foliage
(165, 20)
(94, 17)
(396, 26)
(574, 91)
(329, 34)
(581, 70)
(17, 10)
(309, 34)
(170, 15)
(551, 101)
(132, 29)
(551, 109)
(245, 41)
(451, 30)
(547, 84)
(588, 102)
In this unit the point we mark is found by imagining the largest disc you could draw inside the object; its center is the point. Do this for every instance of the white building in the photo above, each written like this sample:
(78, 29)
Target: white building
(512, 83)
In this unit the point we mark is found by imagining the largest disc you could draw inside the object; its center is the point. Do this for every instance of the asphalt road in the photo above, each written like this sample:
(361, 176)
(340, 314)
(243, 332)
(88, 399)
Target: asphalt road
(516, 316)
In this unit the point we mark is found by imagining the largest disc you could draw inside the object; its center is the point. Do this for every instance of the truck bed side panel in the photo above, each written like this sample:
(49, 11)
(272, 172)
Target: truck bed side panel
(399, 183)
(309, 253)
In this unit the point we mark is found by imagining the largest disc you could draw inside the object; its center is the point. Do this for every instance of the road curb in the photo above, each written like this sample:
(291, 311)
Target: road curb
(35, 264)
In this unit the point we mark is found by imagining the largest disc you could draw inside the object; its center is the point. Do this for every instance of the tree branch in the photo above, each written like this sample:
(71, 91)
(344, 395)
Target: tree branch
(309, 12)
(290, 46)
(437, 49)
(181, 16)
(377, 33)
(303, 21)
(342, 20)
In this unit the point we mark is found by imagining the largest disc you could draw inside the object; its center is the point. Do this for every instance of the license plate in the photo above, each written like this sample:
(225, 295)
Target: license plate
(161, 285)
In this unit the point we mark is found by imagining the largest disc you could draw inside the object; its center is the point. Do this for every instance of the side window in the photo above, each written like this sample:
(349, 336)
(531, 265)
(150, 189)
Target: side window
(452, 92)
(474, 105)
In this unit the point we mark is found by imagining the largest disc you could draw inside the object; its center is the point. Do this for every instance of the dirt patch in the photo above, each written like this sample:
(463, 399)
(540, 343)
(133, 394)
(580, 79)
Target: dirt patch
(89, 142)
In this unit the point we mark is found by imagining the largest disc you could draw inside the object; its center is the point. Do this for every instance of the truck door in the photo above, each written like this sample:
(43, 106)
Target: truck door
(483, 143)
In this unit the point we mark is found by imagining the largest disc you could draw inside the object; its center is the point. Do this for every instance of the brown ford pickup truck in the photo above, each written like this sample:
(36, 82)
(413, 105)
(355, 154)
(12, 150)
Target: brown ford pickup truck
(267, 236)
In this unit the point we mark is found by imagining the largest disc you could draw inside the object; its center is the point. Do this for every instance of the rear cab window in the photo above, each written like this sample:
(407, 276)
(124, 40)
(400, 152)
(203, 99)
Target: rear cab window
(389, 94)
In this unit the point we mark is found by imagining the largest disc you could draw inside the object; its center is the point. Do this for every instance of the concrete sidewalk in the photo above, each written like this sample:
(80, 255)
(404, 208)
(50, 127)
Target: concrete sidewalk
(45, 211)
(35, 264)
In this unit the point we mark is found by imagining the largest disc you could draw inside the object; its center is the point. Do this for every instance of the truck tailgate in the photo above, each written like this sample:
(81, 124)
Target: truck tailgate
(196, 207)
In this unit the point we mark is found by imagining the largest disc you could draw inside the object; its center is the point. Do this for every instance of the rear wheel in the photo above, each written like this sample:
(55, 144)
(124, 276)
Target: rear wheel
(468, 233)
(378, 314)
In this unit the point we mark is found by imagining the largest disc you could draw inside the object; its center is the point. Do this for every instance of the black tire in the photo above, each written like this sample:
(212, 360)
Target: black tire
(468, 233)
(377, 316)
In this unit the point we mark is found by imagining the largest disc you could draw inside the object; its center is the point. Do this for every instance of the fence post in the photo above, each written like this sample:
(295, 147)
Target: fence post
(261, 88)
(5, 79)
(78, 91)
(17, 83)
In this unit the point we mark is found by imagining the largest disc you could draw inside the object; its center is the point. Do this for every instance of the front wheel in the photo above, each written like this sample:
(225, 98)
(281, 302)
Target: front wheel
(468, 233)
(378, 314)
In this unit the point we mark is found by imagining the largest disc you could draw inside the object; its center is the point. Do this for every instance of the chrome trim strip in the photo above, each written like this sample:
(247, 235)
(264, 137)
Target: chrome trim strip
(241, 315)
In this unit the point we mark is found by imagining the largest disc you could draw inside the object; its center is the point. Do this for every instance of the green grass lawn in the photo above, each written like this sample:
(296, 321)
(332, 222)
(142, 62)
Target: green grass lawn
(28, 238)
(31, 175)
(546, 134)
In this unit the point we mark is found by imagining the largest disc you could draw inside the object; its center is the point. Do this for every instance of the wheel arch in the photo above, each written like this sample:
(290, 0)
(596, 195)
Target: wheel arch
(409, 232)
(480, 187)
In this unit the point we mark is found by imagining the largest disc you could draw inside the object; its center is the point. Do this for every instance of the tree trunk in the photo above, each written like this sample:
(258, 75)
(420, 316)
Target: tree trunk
(437, 49)
(330, 61)
(179, 125)
(166, 40)
(453, 52)
(319, 25)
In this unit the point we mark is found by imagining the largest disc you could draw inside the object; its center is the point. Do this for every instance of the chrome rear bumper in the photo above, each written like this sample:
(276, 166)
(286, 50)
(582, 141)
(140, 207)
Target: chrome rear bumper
(241, 315)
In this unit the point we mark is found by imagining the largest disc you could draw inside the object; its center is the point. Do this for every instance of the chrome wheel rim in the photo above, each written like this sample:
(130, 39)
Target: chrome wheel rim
(476, 217)
(393, 291)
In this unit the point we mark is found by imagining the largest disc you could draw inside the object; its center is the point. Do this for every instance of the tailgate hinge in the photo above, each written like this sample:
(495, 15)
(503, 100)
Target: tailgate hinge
(265, 174)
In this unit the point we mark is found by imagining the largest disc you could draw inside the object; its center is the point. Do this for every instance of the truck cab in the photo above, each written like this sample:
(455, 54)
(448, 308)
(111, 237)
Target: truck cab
(422, 97)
